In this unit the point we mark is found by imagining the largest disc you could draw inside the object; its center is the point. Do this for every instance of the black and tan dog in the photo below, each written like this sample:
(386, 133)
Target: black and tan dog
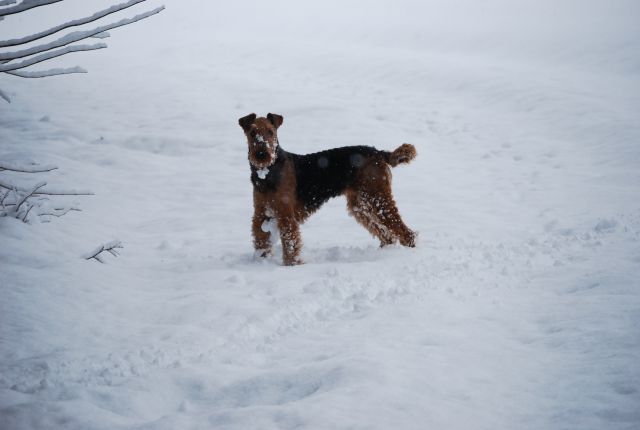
(287, 187)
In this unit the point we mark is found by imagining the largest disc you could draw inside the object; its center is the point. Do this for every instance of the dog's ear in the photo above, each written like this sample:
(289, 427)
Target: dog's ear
(246, 121)
(275, 119)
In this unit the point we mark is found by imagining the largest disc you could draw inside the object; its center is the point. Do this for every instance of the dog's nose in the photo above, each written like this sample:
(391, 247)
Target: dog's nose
(261, 155)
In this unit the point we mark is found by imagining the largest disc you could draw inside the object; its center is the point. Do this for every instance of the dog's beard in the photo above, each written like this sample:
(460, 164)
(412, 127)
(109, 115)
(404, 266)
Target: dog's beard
(264, 156)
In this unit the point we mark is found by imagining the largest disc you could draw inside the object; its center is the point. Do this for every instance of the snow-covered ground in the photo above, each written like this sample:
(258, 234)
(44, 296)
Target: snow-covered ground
(519, 309)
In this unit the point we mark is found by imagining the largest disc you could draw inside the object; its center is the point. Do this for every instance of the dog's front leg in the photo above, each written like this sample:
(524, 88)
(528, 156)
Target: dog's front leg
(261, 234)
(291, 241)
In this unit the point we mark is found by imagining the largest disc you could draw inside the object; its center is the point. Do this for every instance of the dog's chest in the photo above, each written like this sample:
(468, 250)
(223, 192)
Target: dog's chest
(266, 179)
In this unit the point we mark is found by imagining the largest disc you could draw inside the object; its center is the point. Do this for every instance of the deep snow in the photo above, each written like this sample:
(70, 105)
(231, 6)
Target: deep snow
(519, 308)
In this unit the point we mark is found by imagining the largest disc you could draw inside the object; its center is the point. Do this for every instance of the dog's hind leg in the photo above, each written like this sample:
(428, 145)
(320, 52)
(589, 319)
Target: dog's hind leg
(364, 213)
(371, 202)
(389, 216)
(378, 213)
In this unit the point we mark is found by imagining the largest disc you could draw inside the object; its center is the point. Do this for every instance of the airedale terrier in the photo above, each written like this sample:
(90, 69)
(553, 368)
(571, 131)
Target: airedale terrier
(288, 187)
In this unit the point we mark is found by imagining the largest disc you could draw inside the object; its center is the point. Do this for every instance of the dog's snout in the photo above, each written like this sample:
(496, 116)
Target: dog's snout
(261, 154)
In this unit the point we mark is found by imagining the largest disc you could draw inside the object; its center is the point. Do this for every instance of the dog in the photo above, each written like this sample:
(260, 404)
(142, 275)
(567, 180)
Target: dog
(288, 188)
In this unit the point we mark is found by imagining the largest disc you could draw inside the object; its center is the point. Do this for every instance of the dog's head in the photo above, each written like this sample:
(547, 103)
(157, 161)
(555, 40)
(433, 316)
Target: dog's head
(262, 138)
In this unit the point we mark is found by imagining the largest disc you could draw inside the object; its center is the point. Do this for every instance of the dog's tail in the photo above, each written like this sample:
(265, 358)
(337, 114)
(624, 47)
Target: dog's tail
(402, 154)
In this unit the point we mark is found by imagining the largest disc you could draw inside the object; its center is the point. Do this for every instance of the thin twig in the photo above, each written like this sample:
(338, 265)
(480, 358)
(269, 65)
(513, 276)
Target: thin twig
(63, 211)
(110, 247)
(24, 218)
(29, 194)
(3, 198)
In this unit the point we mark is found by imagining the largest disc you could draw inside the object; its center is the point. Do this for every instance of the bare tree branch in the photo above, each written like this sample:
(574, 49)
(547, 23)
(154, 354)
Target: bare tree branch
(49, 55)
(110, 247)
(25, 5)
(75, 23)
(76, 36)
(17, 168)
(47, 73)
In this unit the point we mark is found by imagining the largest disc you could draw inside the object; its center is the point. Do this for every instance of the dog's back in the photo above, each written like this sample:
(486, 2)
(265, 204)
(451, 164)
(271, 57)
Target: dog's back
(326, 174)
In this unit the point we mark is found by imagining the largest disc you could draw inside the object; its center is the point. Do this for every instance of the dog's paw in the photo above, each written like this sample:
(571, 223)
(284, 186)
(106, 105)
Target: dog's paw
(293, 262)
(261, 253)
(409, 240)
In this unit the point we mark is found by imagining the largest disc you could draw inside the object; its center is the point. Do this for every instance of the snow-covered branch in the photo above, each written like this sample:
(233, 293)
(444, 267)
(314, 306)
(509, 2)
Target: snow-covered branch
(15, 207)
(49, 55)
(47, 73)
(110, 247)
(25, 5)
(60, 46)
(49, 192)
(76, 36)
(75, 23)
(18, 202)
(25, 169)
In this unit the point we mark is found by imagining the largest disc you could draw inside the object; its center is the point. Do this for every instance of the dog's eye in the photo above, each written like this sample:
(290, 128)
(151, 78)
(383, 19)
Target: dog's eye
(269, 133)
